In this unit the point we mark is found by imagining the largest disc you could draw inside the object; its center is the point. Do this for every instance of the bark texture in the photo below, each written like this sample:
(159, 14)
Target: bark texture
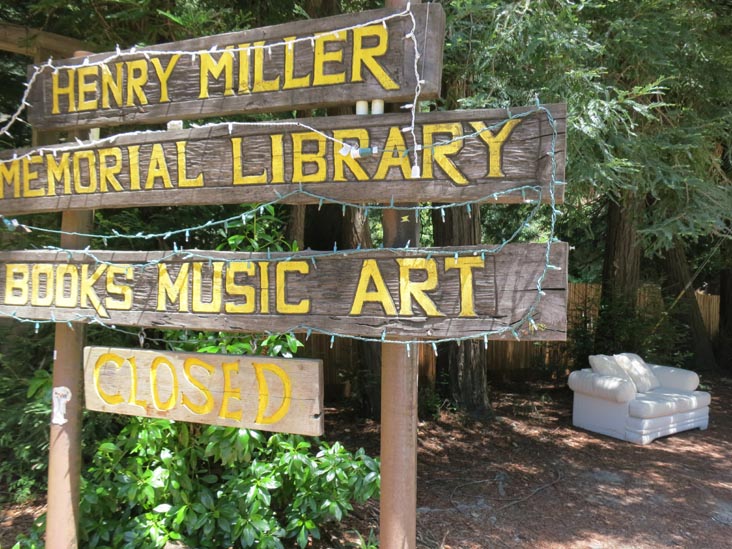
(681, 284)
(463, 365)
(617, 329)
(724, 344)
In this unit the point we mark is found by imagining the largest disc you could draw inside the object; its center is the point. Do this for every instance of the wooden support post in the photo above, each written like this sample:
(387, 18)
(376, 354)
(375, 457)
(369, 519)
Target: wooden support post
(399, 379)
(399, 372)
(64, 460)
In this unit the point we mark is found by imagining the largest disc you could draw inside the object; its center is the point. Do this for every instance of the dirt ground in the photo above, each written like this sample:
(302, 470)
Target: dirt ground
(527, 478)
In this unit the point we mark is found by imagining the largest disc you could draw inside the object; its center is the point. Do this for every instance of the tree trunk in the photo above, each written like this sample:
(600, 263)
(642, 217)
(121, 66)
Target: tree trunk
(724, 345)
(464, 365)
(677, 269)
(326, 227)
(618, 325)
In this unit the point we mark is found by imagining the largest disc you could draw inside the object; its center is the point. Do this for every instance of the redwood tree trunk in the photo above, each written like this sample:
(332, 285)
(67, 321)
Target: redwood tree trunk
(617, 328)
(724, 345)
(463, 365)
(679, 274)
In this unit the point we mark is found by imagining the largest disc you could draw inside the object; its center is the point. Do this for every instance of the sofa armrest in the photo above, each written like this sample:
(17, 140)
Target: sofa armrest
(614, 389)
(675, 378)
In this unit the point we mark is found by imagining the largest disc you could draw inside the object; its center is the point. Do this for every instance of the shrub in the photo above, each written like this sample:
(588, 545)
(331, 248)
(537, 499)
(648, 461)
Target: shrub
(212, 487)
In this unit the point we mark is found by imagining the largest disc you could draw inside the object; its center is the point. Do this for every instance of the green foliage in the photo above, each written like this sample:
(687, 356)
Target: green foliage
(24, 412)
(646, 84)
(213, 487)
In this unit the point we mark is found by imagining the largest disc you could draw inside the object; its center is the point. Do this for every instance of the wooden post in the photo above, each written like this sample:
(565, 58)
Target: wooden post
(64, 460)
(399, 378)
(399, 372)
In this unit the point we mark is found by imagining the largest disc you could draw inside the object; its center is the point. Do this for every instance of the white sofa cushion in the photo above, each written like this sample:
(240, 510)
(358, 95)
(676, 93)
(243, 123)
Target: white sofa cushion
(665, 402)
(614, 389)
(675, 378)
(607, 366)
(641, 374)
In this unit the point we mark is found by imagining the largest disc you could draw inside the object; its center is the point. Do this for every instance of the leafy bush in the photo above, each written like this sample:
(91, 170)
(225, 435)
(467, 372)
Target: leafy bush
(212, 487)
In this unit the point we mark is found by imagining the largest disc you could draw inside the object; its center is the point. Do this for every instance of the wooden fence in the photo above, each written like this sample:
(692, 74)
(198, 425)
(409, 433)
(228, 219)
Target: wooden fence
(508, 359)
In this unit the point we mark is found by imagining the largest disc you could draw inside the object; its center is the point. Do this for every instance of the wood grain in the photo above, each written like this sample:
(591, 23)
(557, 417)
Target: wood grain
(253, 392)
(184, 88)
(313, 290)
(244, 163)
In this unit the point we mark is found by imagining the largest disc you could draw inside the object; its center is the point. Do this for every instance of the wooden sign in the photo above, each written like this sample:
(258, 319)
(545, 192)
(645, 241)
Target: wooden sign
(299, 65)
(427, 293)
(254, 392)
(465, 155)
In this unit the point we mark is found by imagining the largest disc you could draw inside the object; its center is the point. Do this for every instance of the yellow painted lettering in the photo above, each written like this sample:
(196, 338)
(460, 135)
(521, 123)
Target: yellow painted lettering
(87, 291)
(495, 143)
(365, 56)
(90, 175)
(278, 158)
(87, 87)
(29, 175)
(440, 154)
(183, 180)
(169, 291)
(45, 271)
(284, 267)
(370, 274)
(16, 283)
(132, 361)
(10, 175)
(198, 305)
(409, 289)
(133, 153)
(340, 161)
(215, 68)
(230, 393)
(277, 415)
(103, 360)
(62, 273)
(163, 75)
(232, 288)
(239, 177)
(292, 81)
(112, 86)
(136, 80)
(393, 155)
(465, 265)
(115, 289)
(158, 169)
(58, 170)
(260, 83)
(108, 171)
(323, 56)
(155, 385)
(208, 403)
(245, 54)
(300, 158)
(264, 286)
(58, 90)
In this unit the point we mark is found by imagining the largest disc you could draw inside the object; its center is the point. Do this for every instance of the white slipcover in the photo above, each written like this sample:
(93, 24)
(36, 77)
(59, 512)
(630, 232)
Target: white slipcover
(612, 405)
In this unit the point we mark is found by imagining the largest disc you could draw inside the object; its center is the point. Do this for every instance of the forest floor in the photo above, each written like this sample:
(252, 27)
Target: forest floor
(527, 478)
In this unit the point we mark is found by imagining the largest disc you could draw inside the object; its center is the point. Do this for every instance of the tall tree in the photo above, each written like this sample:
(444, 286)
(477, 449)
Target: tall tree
(724, 345)
(464, 364)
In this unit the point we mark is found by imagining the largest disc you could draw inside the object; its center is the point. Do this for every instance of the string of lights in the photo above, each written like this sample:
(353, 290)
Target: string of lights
(120, 54)
(527, 320)
(530, 194)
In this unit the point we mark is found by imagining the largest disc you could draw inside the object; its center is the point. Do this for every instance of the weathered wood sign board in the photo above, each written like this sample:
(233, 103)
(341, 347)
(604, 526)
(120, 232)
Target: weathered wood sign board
(298, 65)
(430, 293)
(466, 155)
(255, 392)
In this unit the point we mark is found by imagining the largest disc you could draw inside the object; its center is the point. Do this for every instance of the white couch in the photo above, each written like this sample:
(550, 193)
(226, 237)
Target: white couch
(623, 397)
